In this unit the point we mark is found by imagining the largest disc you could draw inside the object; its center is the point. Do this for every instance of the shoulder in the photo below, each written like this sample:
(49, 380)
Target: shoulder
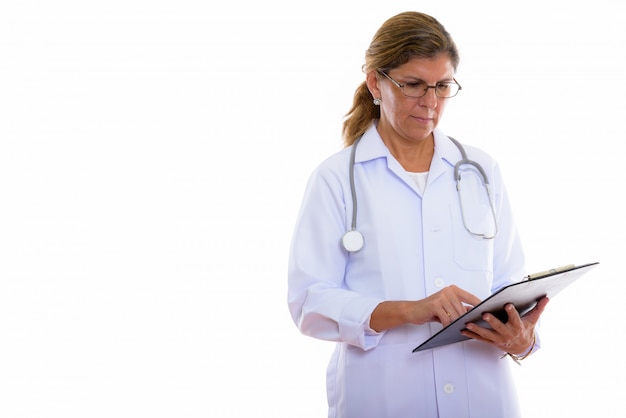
(479, 154)
(337, 162)
(332, 171)
(452, 152)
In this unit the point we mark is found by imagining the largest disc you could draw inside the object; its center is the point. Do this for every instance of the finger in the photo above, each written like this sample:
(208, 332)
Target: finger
(513, 315)
(481, 332)
(494, 332)
(465, 297)
(460, 302)
(451, 312)
(494, 322)
(446, 316)
(533, 315)
(460, 309)
(455, 302)
(473, 335)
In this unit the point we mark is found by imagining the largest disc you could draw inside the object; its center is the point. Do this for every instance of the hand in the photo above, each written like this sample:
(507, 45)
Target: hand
(444, 306)
(515, 336)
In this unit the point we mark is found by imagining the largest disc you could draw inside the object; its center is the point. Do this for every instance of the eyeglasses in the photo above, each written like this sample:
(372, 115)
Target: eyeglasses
(419, 88)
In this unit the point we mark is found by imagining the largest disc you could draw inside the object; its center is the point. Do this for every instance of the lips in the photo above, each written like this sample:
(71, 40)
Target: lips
(423, 119)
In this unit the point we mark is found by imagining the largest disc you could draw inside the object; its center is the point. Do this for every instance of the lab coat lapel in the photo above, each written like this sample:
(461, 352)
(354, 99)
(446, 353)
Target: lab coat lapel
(372, 146)
(446, 155)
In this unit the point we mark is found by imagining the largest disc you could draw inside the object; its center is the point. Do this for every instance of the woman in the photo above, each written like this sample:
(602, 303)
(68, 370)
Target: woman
(421, 260)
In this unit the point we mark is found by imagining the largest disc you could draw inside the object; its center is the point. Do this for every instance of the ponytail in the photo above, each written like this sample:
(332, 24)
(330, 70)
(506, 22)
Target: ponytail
(360, 116)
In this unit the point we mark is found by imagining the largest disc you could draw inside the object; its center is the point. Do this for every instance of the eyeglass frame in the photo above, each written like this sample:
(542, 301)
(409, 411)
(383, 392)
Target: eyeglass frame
(401, 87)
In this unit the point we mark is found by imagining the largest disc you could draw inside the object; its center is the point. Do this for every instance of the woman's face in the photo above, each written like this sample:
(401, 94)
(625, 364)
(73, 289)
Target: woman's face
(409, 119)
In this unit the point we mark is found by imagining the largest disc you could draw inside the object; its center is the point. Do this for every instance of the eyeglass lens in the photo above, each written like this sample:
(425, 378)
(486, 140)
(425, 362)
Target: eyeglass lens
(419, 89)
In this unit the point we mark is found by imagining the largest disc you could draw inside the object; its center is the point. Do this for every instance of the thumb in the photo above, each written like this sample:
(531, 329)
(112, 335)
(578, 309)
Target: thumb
(534, 314)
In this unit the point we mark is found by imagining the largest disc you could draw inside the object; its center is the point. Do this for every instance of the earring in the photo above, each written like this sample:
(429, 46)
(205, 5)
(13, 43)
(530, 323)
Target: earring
(377, 102)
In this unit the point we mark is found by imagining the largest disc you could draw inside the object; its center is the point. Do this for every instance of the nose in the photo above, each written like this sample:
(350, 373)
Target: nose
(430, 99)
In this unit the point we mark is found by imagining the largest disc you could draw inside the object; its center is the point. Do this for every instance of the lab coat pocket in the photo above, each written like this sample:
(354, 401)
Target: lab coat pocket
(472, 251)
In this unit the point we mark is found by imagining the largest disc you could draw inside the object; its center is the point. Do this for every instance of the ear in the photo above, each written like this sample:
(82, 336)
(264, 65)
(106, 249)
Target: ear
(371, 79)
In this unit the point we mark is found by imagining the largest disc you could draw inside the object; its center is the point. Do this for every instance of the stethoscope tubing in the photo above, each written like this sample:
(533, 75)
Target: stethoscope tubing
(353, 240)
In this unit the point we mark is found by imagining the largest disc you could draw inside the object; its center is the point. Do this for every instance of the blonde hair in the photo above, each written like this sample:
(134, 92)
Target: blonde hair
(402, 37)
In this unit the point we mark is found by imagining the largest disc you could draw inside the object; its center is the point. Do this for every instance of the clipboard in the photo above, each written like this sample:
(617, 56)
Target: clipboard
(524, 295)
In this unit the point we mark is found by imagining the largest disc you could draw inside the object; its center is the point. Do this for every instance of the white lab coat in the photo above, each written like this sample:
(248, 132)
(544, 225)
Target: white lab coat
(415, 244)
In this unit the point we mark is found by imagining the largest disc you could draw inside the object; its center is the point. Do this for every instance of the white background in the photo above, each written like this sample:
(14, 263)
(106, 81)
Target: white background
(153, 155)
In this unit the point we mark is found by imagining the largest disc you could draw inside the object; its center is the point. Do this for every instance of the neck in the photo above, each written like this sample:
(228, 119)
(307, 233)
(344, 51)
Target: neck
(413, 156)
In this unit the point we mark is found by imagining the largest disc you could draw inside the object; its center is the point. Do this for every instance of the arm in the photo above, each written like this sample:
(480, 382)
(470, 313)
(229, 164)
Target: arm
(320, 303)
(444, 306)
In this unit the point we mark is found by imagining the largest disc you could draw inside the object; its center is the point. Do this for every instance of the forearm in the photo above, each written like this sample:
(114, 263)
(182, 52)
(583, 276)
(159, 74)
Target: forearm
(390, 314)
(443, 307)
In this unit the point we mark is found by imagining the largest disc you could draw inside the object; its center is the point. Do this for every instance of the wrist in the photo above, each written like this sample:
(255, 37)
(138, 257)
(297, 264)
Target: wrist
(519, 357)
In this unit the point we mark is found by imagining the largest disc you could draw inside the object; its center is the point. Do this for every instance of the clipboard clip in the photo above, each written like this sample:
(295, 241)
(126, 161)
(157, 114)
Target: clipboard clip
(549, 272)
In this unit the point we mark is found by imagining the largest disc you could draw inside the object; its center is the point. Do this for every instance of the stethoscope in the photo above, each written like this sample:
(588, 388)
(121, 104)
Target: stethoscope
(353, 240)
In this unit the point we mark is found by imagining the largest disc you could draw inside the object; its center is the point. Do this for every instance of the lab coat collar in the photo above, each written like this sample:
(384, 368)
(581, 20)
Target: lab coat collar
(446, 155)
(371, 146)
(445, 149)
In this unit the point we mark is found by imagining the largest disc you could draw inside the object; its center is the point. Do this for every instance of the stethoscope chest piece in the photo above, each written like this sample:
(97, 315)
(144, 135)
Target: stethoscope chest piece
(352, 241)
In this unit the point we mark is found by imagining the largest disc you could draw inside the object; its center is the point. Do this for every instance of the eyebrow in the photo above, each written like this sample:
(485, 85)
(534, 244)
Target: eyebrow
(443, 80)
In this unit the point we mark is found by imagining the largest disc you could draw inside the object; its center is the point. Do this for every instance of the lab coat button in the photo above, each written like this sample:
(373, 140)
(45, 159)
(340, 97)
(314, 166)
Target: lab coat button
(448, 388)
(439, 282)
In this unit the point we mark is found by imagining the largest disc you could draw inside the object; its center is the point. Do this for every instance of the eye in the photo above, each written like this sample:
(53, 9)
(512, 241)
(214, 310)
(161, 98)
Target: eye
(443, 86)
(416, 85)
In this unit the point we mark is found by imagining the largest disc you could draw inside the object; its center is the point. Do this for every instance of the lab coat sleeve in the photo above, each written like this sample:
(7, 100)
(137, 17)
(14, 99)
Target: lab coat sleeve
(319, 302)
(509, 259)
